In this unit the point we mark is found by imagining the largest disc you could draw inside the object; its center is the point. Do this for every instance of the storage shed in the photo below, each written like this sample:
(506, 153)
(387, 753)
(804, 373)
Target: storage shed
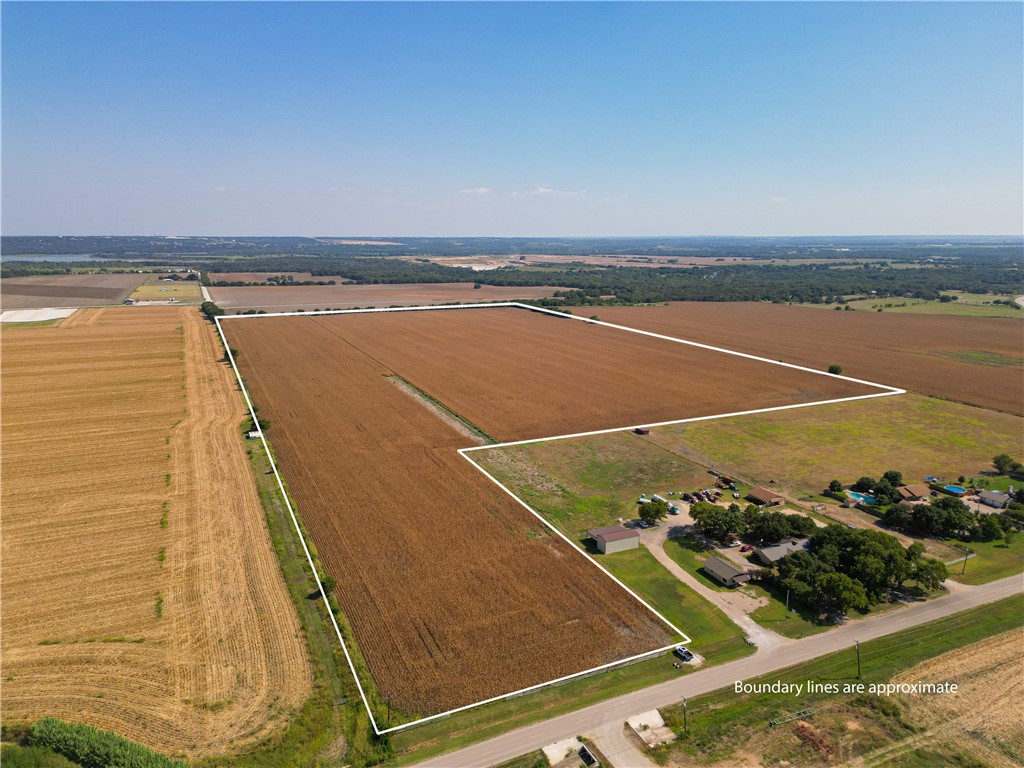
(764, 497)
(614, 538)
(725, 572)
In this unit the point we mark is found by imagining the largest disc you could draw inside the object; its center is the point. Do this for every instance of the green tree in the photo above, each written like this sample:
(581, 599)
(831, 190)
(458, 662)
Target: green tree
(898, 516)
(328, 584)
(1005, 464)
(653, 511)
(769, 527)
(864, 484)
(838, 593)
(930, 573)
(835, 486)
(835, 369)
(717, 522)
(893, 477)
(989, 528)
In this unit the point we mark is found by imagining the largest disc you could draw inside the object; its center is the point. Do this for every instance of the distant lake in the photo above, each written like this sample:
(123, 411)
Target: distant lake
(62, 257)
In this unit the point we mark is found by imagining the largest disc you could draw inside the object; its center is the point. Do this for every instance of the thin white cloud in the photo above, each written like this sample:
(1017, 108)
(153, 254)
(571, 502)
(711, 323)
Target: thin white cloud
(223, 190)
(476, 191)
(543, 191)
(778, 200)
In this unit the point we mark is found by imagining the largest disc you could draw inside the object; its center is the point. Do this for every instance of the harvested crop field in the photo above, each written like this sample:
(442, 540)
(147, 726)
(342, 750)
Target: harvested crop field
(141, 591)
(66, 290)
(292, 298)
(982, 719)
(455, 593)
(519, 374)
(924, 353)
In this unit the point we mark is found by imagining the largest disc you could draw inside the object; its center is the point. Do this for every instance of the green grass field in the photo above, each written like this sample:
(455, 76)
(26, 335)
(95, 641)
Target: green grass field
(721, 724)
(993, 560)
(183, 291)
(713, 635)
(591, 482)
(805, 448)
(966, 305)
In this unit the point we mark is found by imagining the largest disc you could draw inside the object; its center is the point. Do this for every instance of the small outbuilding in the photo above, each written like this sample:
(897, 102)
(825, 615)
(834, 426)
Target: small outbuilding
(642, 431)
(914, 492)
(614, 538)
(994, 499)
(252, 434)
(771, 555)
(764, 497)
(725, 572)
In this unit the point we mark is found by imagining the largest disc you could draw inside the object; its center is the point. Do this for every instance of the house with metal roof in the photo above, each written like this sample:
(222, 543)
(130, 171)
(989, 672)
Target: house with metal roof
(725, 572)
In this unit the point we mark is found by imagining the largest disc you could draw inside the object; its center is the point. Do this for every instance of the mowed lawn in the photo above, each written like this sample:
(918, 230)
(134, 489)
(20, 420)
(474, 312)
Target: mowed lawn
(804, 449)
(993, 560)
(712, 634)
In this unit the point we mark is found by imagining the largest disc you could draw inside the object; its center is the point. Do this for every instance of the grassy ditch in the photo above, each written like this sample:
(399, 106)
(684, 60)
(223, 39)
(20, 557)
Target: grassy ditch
(725, 724)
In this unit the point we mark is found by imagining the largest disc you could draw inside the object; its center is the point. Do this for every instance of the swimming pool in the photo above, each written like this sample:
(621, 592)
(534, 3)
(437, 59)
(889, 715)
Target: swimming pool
(956, 490)
(862, 498)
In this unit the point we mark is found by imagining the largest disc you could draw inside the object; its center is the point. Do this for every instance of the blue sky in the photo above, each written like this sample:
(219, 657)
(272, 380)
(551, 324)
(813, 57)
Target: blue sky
(512, 119)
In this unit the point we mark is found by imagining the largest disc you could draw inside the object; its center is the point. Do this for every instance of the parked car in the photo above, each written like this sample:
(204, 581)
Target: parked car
(746, 548)
(643, 524)
(683, 653)
(735, 543)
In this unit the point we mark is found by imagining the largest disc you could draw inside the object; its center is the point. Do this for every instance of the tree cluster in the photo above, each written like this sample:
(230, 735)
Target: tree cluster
(721, 523)
(848, 569)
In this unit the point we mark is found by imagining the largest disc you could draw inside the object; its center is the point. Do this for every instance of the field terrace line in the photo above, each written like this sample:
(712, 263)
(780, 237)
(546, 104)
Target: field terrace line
(886, 391)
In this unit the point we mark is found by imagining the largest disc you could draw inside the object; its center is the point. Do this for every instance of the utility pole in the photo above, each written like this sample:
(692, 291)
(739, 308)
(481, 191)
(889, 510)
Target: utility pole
(686, 719)
(857, 644)
(964, 567)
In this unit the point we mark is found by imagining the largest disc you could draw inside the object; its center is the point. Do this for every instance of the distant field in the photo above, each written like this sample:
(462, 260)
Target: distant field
(158, 288)
(81, 290)
(289, 299)
(483, 262)
(141, 592)
(966, 305)
(259, 277)
(908, 351)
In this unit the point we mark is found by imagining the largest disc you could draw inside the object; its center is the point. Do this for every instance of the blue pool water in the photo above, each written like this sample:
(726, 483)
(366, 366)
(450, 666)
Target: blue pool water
(955, 489)
(863, 499)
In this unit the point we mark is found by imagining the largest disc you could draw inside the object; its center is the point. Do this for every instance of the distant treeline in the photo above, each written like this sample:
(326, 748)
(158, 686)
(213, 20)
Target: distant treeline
(843, 248)
(815, 283)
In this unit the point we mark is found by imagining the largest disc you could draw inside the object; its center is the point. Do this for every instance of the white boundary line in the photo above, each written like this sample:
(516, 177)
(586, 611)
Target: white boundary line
(464, 451)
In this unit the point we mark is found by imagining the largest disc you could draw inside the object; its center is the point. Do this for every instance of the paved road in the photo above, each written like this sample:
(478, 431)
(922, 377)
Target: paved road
(609, 716)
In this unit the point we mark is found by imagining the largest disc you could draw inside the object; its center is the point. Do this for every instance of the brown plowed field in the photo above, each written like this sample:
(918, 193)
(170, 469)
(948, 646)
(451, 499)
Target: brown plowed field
(348, 296)
(519, 374)
(456, 593)
(66, 290)
(908, 351)
(109, 423)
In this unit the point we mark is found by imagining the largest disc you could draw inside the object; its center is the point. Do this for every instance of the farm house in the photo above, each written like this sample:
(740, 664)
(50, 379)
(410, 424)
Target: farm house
(772, 555)
(614, 538)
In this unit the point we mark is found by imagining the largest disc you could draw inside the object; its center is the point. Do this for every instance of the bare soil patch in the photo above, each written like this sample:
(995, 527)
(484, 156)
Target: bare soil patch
(455, 592)
(66, 290)
(290, 299)
(519, 374)
(899, 350)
